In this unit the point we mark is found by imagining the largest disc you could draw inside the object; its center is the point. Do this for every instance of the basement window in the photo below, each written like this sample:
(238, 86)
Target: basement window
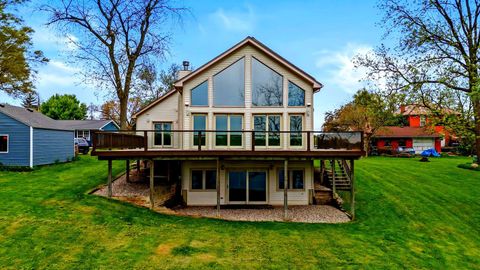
(203, 180)
(4, 143)
(296, 179)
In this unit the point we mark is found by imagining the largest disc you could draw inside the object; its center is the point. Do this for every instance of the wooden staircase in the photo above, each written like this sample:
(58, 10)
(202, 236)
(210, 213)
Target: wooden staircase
(324, 192)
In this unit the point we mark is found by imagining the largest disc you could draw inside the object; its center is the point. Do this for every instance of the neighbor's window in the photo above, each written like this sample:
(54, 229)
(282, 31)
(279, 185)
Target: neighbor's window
(296, 127)
(295, 179)
(229, 85)
(204, 179)
(267, 130)
(267, 85)
(4, 143)
(200, 94)
(423, 120)
(199, 124)
(232, 123)
(296, 95)
(163, 134)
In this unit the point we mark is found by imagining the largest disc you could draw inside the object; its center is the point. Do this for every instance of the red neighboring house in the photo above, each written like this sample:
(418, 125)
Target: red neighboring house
(417, 135)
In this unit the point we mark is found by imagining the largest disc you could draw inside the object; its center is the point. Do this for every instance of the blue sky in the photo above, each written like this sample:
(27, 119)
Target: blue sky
(320, 37)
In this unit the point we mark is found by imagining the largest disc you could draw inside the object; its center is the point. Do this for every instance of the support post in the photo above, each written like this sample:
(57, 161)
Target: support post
(285, 189)
(127, 166)
(109, 178)
(138, 168)
(333, 177)
(322, 164)
(218, 187)
(352, 188)
(152, 182)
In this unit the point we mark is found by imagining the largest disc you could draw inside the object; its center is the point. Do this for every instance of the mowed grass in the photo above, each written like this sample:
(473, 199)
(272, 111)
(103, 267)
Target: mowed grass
(409, 215)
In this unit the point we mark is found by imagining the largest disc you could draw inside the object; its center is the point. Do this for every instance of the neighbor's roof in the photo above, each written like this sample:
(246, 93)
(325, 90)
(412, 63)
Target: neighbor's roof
(418, 109)
(406, 132)
(31, 117)
(262, 47)
(87, 124)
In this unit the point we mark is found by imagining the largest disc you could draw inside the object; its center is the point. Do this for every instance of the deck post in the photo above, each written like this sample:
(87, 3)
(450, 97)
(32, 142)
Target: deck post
(138, 168)
(352, 188)
(285, 189)
(109, 178)
(127, 167)
(152, 182)
(218, 187)
(322, 164)
(333, 177)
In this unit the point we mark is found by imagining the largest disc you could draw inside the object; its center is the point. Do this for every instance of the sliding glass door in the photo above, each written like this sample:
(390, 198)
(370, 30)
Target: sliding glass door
(246, 187)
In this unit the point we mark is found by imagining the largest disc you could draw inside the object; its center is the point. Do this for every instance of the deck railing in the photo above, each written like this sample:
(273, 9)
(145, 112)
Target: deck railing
(231, 140)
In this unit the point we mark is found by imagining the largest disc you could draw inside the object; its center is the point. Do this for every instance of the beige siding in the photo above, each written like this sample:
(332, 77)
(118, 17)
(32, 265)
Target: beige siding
(165, 111)
(248, 111)
(274, 195)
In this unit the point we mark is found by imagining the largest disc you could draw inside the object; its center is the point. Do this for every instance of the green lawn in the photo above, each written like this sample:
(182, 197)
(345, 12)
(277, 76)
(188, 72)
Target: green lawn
(409, 214)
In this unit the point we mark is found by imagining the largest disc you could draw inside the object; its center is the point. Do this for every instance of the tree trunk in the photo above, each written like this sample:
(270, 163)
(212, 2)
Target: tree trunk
(476, 109)
(366, 143)
(123, 112)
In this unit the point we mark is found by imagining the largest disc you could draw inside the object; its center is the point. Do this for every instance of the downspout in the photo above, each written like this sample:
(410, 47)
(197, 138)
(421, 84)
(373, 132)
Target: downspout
(31, 147)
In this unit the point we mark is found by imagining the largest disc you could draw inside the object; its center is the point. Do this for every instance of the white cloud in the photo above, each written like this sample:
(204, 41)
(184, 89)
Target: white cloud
(339, 67)
(241, 21)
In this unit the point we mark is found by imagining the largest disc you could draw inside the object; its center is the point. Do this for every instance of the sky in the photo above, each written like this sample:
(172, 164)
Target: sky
(320, 37)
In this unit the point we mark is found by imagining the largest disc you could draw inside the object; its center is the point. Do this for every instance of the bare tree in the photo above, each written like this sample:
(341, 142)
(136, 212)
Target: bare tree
(437, 52)
(114, 38)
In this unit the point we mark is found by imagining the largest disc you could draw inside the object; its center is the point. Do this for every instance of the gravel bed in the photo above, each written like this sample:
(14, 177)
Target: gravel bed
(304, 213)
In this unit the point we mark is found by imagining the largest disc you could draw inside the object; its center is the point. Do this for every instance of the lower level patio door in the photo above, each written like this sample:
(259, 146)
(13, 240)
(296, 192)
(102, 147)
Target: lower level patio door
(247, 187)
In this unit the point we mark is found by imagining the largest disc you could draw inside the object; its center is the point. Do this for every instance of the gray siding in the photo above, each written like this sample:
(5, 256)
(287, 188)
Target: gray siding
(52, 145)
(19, 142)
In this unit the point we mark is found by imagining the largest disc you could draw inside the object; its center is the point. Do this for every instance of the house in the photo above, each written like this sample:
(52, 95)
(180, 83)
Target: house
(83, 128)
(29, 138)
(238, 130)
(417, 135)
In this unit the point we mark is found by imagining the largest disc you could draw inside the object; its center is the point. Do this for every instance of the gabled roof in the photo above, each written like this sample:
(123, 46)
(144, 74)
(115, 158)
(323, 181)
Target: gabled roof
(262, 47)
(31, 117)
(87, 124)
(406, 132)
(418, 109)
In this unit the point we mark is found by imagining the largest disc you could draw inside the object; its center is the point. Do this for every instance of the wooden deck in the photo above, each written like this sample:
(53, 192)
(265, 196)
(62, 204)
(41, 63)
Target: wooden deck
(177, 154)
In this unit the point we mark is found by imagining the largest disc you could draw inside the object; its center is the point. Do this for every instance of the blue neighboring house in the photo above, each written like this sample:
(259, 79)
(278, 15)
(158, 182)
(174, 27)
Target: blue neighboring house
(84, 128)
(29, 138)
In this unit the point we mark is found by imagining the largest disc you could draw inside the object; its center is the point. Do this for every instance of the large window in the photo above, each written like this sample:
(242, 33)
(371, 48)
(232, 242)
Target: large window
(163, 134)
(232, 123)
(229, 85)
(203, 179)
(4, 143)
(296, 95)
(296, 127)
(296, 179)
(267, 130)
(200, 94)
(267, 85)
(199, 124)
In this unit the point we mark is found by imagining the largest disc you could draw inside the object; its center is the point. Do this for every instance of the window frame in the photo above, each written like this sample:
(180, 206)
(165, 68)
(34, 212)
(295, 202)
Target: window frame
(204, 134)
(290, 179)
(244, 84)
(253, 90)
(163, 145)
(191, 95)
(267, 130)
(423, 120)
(8, 143)
(288, 95)
(301, 132)
(204, 180)
(228, 146)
